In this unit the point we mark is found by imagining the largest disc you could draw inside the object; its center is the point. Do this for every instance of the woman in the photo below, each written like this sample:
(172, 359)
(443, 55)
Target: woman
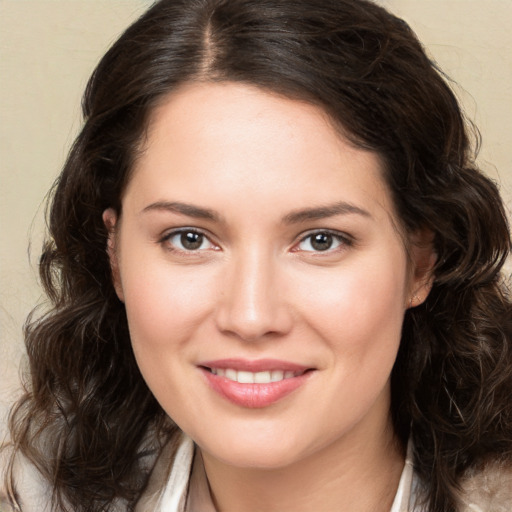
(275, 272)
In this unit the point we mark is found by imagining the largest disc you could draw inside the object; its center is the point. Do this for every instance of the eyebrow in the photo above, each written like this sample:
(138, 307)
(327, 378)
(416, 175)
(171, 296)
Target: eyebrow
(183, 209)
(322, 212)
(295, 217)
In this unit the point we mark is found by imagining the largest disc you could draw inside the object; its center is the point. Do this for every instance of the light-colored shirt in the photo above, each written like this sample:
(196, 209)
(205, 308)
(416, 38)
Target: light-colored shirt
(187, 488)
(178, 483)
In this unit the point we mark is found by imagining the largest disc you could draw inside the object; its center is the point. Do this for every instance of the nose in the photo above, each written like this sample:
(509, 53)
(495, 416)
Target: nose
(252, 302)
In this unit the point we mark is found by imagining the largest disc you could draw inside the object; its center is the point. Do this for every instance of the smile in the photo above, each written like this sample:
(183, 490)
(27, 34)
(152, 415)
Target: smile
(245, 377)
(254, 384)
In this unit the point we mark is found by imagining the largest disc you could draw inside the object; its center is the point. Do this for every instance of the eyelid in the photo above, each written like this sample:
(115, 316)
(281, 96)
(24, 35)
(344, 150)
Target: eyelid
(186, 229)
(345, 239)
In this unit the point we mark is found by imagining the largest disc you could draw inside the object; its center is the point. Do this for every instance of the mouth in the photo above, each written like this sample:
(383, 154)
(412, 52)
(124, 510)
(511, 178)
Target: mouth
(246, 377)
(254, 384)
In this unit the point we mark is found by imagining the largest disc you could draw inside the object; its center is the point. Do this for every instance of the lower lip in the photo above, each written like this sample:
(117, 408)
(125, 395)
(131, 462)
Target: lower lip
(254, 395)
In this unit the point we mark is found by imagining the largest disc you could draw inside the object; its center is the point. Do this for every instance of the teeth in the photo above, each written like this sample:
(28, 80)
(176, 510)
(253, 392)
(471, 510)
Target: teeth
(262, 378)
(277, 375)
(245, 377)
(230, 374)
(254, 377)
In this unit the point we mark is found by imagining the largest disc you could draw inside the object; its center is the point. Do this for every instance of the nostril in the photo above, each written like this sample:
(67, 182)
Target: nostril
(254, 322)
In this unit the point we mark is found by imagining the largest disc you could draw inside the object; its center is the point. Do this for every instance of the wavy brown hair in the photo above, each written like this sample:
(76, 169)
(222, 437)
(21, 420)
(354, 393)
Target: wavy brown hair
(87, 418)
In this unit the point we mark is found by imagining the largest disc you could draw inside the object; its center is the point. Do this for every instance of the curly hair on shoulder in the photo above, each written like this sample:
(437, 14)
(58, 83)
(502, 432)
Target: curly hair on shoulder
(87, 419)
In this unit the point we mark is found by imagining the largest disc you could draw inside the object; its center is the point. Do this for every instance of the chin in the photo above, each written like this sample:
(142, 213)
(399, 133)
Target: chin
(257, 449)
(257, 457)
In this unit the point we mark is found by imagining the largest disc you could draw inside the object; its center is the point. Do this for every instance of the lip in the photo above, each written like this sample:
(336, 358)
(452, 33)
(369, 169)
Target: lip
(254, 395)
(256, 365)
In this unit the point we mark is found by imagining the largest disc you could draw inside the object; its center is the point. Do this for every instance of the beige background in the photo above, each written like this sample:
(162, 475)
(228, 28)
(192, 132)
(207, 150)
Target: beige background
(48, 48)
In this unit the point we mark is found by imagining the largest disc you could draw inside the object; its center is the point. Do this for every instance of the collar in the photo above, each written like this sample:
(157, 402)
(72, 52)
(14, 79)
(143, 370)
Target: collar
(187, 488)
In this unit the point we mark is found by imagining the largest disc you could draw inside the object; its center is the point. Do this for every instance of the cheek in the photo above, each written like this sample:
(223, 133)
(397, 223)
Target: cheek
(358, 306)
(166, 308)
(359, 316)
(165, 303)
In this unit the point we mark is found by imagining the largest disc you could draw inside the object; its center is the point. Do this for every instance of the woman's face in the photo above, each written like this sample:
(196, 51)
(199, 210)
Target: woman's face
(264, 276)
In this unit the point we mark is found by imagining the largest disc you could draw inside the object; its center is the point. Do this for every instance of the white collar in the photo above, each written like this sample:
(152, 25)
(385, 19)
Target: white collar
(175, 493)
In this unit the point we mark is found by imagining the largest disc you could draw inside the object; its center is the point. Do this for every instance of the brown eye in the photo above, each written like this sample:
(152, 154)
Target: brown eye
(321, 241)
(187, 240)
(191, 241)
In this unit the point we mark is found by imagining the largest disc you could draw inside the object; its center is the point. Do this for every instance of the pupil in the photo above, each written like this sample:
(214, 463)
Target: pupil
(321, 241)
(191, 241)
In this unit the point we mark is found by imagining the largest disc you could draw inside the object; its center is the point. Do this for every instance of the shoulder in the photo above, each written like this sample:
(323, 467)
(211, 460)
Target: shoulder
(169, 476)
(32, 491)
(488, 490)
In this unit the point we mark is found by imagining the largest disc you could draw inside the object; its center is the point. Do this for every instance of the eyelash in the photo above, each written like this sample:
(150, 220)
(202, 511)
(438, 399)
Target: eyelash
(167, 239)
(342, 239)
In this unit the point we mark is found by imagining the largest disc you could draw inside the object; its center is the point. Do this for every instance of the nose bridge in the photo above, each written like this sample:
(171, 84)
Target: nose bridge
(251, 305)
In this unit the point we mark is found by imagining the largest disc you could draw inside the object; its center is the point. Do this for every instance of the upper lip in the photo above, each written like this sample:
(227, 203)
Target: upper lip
(255, 365)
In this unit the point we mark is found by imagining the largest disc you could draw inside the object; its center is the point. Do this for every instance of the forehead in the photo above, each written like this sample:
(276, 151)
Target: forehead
(209, 141)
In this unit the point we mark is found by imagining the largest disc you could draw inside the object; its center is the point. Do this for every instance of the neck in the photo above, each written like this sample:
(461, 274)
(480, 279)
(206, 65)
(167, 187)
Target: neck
(357, 472)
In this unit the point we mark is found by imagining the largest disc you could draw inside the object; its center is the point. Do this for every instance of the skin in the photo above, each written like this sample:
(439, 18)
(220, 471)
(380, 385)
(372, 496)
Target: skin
(257, 288)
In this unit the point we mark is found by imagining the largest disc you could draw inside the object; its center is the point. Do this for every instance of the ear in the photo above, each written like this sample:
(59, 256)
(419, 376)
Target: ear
(110, 220)
(423, 259)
